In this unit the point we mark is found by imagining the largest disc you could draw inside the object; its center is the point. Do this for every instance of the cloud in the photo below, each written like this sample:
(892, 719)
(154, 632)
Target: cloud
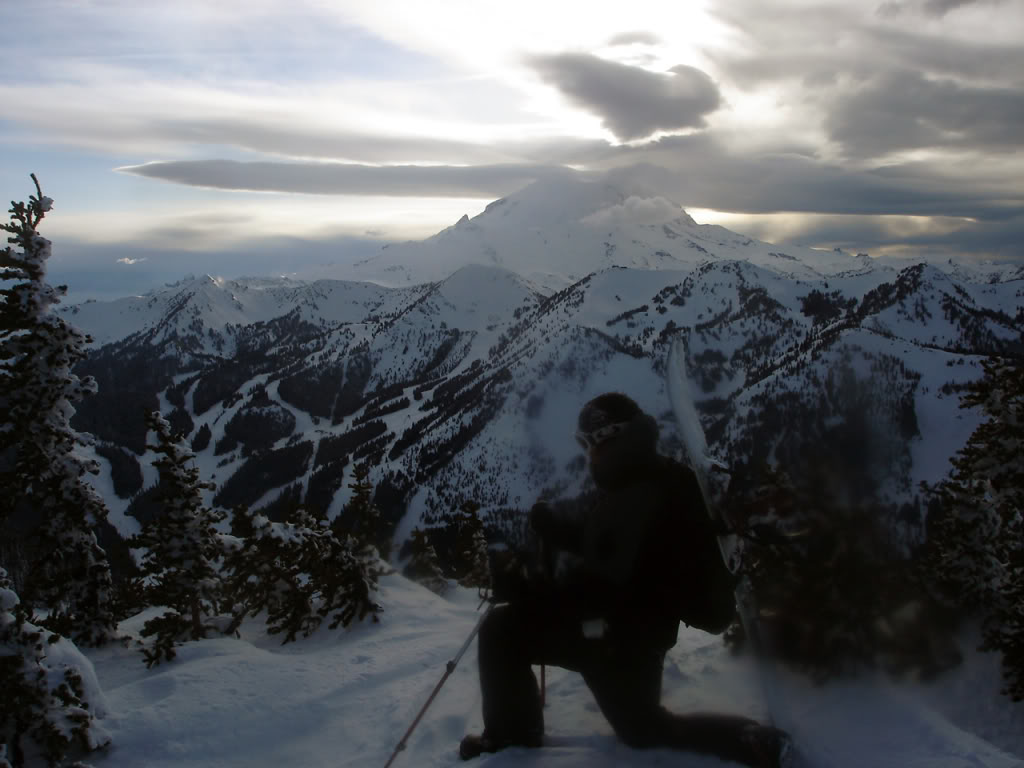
(935, 237)
(829, 44)
(940, 8)
(696, 170)
(283, 137)
(699, 171)
(634, 210)
(633, 103)
(170, 118)
(347, 178)
(904, 110)
(883, 85)
(934, 8)
(86, 267)
(797, 108)
(633, 38)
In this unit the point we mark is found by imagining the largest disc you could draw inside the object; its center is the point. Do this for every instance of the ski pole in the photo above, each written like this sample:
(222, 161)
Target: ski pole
(449, 668)
(544, 555)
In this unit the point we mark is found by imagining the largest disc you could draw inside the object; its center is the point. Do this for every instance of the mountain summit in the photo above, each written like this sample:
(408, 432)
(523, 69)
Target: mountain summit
(560, 229)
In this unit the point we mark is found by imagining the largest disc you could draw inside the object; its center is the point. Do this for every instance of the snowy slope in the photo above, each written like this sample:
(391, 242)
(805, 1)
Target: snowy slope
(492, 372)
(345, 698)
(566, 289)
(216, 298)
(208, 308)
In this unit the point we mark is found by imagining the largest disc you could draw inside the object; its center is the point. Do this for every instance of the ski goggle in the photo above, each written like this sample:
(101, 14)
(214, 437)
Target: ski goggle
(588, 440)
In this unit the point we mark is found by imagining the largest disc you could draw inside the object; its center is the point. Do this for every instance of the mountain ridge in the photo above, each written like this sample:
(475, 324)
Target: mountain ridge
(466, 387)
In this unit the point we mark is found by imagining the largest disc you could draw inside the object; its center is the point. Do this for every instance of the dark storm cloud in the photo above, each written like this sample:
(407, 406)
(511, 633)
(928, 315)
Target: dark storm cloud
(904, 110)
(998, 240)
(347, 178)
(786, 43)
(942, 7)
(934, 8)
(885, 82)
(823, 72)
(899, 49)
(633, 103)
(698, 171)
(856, 209)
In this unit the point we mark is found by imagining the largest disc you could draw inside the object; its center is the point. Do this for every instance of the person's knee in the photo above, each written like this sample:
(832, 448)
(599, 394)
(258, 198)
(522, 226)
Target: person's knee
(494, 623)
(500, 628)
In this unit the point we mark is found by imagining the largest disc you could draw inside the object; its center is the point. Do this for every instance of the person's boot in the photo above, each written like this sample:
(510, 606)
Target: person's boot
(474, 745)
(767, 746)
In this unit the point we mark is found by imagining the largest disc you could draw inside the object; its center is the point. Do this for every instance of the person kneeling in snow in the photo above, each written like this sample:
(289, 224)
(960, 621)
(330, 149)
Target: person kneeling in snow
(647, 558)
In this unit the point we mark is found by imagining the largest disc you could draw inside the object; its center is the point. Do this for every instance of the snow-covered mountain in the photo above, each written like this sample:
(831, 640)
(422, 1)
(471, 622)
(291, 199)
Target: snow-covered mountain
(455, 368)
(560, 230)
(458, 375)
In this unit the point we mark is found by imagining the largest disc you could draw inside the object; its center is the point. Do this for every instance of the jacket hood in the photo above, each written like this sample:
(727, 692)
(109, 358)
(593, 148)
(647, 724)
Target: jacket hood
(619, 460)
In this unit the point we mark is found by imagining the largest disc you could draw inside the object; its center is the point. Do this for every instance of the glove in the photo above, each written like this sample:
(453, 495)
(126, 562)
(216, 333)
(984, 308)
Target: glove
(510, 577)
(541, 517)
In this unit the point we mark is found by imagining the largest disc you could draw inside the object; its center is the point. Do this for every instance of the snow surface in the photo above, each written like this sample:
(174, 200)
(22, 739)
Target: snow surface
(345, 698)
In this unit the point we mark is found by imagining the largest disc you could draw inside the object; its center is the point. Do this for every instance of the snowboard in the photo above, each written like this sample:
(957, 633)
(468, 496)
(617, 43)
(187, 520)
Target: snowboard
(700, 460)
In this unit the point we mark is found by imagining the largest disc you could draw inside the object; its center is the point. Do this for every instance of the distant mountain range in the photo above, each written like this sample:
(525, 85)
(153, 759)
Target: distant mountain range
(456, 365)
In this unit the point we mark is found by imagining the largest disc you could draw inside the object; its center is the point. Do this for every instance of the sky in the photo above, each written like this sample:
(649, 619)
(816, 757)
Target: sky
(268, 136)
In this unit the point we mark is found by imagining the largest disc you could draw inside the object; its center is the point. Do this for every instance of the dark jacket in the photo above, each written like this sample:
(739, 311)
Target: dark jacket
(647, 556)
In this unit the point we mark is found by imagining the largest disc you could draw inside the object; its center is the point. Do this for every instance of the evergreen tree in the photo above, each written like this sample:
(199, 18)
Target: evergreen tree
(976, 531)
(471, 547)
(69, 574)
(834, 592)
(423, 566)
(44, 712)
(299, 572)
(183, 546)
(362, 517)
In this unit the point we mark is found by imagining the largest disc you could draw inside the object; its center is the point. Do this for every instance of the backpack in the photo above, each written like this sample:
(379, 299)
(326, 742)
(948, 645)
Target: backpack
(704, 587)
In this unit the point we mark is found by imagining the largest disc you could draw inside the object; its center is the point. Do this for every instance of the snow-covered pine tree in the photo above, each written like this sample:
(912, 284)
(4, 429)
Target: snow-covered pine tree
(362, 517)
(836, 593)
(299, 572)
(69, 573)
(423, 566)
(471, 547)
(267, 569)
(44, 710)
(976, 532)
(183, 547)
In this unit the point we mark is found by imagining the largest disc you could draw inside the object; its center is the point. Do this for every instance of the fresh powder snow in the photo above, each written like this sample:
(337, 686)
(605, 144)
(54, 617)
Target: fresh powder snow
(346, 697)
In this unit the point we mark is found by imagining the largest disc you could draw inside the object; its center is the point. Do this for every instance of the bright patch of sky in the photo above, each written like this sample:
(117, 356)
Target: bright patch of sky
(820, 122)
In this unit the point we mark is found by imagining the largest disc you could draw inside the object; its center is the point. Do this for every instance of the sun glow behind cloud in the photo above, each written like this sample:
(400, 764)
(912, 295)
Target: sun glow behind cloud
(223, 220)
(875, 235)
(819, 119)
